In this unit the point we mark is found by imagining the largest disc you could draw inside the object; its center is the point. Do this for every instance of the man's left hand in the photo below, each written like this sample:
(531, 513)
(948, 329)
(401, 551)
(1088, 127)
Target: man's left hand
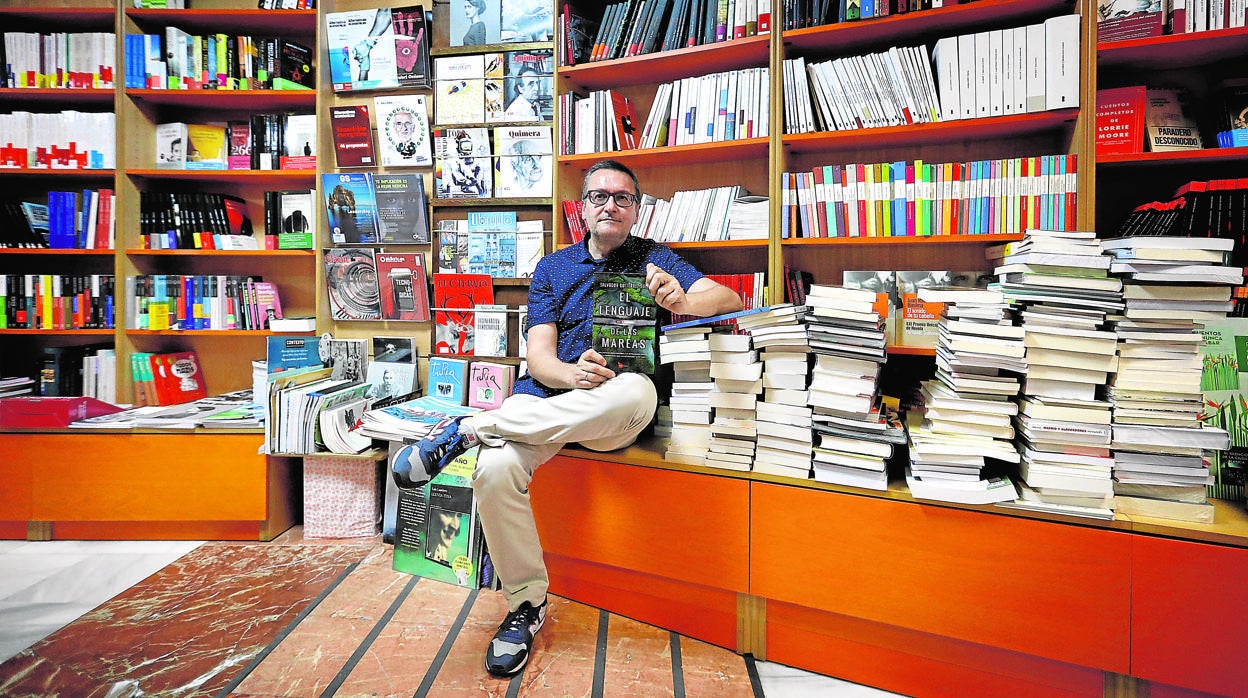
(665, 289)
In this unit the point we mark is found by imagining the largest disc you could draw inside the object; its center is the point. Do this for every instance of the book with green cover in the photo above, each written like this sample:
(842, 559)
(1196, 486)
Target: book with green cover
(624, 314)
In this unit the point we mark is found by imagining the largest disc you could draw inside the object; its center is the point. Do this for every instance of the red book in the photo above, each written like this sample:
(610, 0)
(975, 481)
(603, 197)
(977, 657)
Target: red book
(353, 136)
(454, 298)
(1120, 120)
(403, 286)
(626, 125)
(178, 378)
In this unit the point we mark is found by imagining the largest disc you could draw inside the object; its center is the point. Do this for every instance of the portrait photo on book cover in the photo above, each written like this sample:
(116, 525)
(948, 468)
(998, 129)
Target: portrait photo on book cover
(474, 22)
(403, 125)
(528, 96)
(446, 536)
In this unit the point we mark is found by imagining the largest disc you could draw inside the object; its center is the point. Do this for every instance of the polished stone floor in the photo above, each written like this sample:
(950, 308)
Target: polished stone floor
(304, 618)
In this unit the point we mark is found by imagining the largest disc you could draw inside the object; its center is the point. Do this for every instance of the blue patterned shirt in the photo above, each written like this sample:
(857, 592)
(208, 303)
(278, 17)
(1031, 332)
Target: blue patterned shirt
(561, 292)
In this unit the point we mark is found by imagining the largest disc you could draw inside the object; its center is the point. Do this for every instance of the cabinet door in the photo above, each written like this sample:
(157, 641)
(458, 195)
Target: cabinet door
(1189, 614)
(1045, 589)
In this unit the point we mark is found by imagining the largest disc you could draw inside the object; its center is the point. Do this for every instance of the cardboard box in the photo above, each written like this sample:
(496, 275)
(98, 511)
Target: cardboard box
(50, 411)
(342, 494)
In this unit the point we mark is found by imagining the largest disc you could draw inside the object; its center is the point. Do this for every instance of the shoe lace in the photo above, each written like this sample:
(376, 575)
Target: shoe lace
(440, 444)
(517, 622)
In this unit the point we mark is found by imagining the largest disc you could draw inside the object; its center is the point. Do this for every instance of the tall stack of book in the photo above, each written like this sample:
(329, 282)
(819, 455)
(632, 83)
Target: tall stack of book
(1171, 287)
(783, 417)
(687, 349)
(1059, 284)
(846, 330)
(737, 374)
(964, 433)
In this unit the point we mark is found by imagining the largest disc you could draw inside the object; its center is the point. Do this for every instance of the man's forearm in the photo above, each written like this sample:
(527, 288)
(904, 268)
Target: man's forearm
(713, 301)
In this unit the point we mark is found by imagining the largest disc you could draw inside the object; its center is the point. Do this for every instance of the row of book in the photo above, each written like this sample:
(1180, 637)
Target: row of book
(200, 302)
(1117, 22)
(56, 301)
(89, 370)
(635, 27)
(190, 220)
(1200, 208)
(178, 60)
(66, 140)
(800, 14)
(69, 220)
(59, 59)
(917, 199)
(985, 74)
(263, 142)
(169, 378)
(696, 215)
(496, 87)
(492, 243)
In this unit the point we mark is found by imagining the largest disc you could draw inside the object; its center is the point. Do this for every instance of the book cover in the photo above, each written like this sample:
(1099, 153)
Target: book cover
(463, 168)
(395, 349)
(527, 20)
(268, 303)
(1168, 123)
(178, 378)
(492, 253)
(298, 142)
(347, 359)
(403, 129)
(292, 69)
(351, 279)
(452, 247)
(454, 297)
(171, 140)
(459, 101)
(522, 332)
(390, 382)
(239, 157)
(474, 22)
(1224, 355)
(361, 49)
(401, 208)
(527, 87)
(353, 135)
(448, 379)
(1120, 120)
(436, 533)
(919, 324)
(298, 214)
(490, 327)
(351, 207)
(624, 317)
(411, 46)
(489, 383)
(525, 161)
(206, 147)
(403, 287)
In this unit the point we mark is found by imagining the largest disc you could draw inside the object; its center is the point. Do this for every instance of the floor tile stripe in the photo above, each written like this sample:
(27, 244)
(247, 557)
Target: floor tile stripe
(268, 649)
(347, 668)
(755, 681)
(600, 655)
(513, 686)
(678, 671)
(436, 666)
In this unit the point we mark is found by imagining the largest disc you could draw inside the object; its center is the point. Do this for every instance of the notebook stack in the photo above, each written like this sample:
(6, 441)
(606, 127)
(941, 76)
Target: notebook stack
(1172, 287)
(964, 434)
(1062, 296)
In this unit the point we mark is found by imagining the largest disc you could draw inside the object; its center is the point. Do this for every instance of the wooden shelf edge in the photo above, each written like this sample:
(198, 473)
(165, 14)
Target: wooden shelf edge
(207, 333)
(933, 132)
(462, 203)
(211, 175)
(490, 48)
(138, 252)
(695, 153)
(662, 66)
(1174, 157)
(44, 172)
(917, 240)
(55, 251)
(75, 333)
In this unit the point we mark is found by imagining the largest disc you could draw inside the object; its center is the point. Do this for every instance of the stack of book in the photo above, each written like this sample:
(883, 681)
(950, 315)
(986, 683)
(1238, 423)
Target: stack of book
(965, 425)
(687, 349)
(1062, 294)
(785, 441)
(737, 375)
(1159, 441)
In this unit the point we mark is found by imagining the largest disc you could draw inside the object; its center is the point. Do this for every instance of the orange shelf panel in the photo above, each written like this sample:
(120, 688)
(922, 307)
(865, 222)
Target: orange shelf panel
(62, 95)
(911, 351)
(940, 571)
(55, 252)
(205, 333)
(1178, 157)
(937, 133)
(665, 66)
(75, 18)
(923, 240)
(41, 172)
(1174, 50)
(696, 154)
(718, 244)
(73, 333)
(842, 38)
(274, 178)
(1176, 640)
(285, 22)
(227, 99)
(221, 253)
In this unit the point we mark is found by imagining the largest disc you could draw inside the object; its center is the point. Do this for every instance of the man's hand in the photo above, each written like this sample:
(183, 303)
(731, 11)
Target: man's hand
(665, 289)
(589, 371)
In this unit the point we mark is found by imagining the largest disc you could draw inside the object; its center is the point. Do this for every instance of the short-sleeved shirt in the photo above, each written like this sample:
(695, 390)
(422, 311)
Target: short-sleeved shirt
(561, 292)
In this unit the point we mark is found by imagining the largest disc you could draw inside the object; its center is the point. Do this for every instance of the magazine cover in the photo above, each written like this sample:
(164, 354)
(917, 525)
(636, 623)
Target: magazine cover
(448, 379)
(403, 286)
(525, 162)
(401, 208)
(459, 101)
(527, 20)
(492, 253)
(411, 46)
(351, 278)
(403, 130)
(454, 298)
(527, 87)
(492, 221)
(491, 331)
(298, 142)
(352, 131)
(388, 380)
(394, 349)
(474, 22)
(452, 247)
(351, 208)
(361, 49)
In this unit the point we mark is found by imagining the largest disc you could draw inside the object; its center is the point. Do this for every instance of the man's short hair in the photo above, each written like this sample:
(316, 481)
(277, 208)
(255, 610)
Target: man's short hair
(614, 165)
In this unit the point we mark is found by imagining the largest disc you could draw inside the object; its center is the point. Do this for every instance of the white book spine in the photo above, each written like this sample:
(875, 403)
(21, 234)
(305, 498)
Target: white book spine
(1037, 69)
(1061, 83)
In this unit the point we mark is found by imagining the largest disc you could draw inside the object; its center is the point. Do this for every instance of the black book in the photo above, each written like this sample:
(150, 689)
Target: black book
(676, 27)
(660, 17)
(693, 23)
(605, 25)
(618, 25)
(710, 14)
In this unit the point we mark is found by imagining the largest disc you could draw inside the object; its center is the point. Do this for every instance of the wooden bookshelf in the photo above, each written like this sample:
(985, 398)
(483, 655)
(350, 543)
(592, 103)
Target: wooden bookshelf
(272, 179)
(1170, 159)
(60, 333)
(56, 173)
(71, 18)
(253, 100)
(65, 96)
(49, 252)
(918, 240)
(668, 65)
(1011, 127)
(287, 23)
(221, 253)
(1173, 50)
(717, 151)
(488, 203)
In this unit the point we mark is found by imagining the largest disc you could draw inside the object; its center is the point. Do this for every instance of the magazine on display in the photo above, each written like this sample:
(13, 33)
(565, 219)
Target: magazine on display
(403, 288)
(525, 162)
(361, 49)
(351, 278)
(403, 131)
(351, 207)
(401, 208)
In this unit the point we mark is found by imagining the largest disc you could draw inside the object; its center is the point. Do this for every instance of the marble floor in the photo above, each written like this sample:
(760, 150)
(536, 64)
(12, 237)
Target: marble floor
(45, 586)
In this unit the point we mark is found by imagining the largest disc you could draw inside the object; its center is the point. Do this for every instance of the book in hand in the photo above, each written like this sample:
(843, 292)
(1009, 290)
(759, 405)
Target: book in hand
(352, 131)
(351, 279)
(403, 129)
(624, 317)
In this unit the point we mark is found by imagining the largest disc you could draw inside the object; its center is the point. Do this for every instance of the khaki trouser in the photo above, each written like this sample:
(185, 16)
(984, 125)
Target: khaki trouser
(526, 431)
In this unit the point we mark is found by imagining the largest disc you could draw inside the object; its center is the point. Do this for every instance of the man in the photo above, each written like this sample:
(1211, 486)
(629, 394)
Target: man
(568, 396)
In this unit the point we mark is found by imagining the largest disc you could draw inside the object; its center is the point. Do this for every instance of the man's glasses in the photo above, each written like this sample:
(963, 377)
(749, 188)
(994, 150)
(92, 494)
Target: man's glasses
(598, 197)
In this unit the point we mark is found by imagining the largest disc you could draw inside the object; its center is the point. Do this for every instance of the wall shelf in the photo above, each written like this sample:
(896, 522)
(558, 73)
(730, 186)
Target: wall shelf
(935, 133)
(267, 100)
(283, 22)
(716, 151)
(222, 253)
(47, 251)
(917, 240)
(278, 179)
(93, 96)
(1178, 157)
(665, 66)
(1174, 50)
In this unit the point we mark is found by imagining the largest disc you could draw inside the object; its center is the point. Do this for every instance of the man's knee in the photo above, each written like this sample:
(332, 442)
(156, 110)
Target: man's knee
(496, 473)
(638, 389)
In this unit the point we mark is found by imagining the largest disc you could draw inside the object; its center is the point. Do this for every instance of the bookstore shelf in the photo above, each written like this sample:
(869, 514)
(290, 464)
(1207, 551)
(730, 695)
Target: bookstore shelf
(660, 67)
(482, 124)
(488, 48)
(278, 179)
(1178, 157)
(487, 203)
(934, 133)
(695, 154)
(74, 333)
(75, 18)
(268, 100)
(47, 251)
(1174, 51)
(261, 21)
(917, 240)
(220, 253)
(209, 333)
(844, 37)
(93, 96)
(717, 244)
(64, 174)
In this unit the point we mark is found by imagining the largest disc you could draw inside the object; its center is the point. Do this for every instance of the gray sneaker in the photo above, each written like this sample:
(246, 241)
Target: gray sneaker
(513, 643)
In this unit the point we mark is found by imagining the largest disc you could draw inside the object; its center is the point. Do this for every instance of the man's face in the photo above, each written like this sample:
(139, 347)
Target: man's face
(404, 126)
(529, 86)
(609, 223)
(448, 527)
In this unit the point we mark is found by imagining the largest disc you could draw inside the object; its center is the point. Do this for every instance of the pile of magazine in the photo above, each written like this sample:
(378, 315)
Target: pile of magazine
(410, 420)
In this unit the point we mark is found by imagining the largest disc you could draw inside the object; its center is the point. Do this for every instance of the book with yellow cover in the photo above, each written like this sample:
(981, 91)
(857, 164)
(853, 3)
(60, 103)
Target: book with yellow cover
(206, 149)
